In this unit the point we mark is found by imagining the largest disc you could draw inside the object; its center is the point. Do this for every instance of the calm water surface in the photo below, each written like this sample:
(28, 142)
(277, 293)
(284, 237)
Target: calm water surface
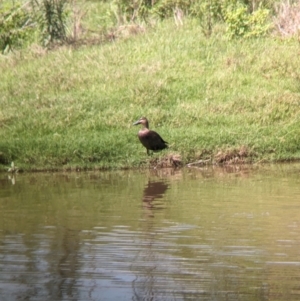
(192, 234)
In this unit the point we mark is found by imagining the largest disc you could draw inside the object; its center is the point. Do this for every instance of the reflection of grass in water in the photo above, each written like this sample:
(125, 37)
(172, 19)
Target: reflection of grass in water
(207, 97)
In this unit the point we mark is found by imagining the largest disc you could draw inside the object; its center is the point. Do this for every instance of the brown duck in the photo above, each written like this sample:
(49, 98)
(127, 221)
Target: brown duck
(150, 139)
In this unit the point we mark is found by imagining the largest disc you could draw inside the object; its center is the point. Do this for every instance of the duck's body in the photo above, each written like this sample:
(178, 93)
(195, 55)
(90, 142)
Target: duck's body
(150, 139)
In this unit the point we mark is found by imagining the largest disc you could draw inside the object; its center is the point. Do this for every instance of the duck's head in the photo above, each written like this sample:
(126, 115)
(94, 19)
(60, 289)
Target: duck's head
(143, 121)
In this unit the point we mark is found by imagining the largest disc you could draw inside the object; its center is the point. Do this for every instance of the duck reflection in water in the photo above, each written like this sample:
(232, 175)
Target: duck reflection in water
(154, 190)
(147, 284)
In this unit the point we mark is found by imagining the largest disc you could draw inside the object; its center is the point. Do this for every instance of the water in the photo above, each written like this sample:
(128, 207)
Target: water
(191, 234)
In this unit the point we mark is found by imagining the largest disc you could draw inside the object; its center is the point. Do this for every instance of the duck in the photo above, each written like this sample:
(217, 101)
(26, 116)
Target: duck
(150, 139)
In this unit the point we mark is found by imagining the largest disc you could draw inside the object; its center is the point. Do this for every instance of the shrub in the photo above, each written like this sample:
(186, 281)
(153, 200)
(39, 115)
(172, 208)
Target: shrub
(241, 23)
(258, 23)
(16, 26)
(208, 12)
(51, 16)
(237, 21)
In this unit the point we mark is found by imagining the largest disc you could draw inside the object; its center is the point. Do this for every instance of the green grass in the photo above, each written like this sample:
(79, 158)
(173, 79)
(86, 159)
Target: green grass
(75, 108)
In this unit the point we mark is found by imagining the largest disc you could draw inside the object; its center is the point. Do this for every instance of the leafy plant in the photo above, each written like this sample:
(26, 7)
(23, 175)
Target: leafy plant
(241, 23)
(237, 21)
(208, 12)
(51, 16)
(258, 23)
(16, 26)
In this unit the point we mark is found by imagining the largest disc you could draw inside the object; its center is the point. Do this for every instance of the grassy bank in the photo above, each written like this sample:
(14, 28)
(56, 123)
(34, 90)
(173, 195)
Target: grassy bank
(210, 98)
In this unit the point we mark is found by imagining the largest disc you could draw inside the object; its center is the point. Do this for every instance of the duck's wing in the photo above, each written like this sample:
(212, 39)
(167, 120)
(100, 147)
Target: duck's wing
(156, 142)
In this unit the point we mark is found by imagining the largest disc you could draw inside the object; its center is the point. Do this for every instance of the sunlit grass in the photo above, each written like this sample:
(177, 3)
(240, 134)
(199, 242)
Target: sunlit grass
(71, 108)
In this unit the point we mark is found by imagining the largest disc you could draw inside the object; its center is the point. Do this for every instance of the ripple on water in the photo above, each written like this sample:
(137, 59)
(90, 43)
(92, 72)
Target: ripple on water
(192, 235)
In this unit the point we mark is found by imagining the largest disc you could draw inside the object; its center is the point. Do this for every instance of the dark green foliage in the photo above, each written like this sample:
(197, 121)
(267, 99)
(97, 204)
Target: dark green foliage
(51, 17)
(20, 23)
(16, 26)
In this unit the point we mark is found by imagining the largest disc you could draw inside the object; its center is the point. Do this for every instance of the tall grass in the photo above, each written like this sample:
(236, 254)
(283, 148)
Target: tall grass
(209, 98)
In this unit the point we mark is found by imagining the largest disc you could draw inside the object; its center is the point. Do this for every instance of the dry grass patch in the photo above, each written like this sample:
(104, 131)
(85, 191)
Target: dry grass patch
(170, 160)
(234, 156)
(287, 19)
